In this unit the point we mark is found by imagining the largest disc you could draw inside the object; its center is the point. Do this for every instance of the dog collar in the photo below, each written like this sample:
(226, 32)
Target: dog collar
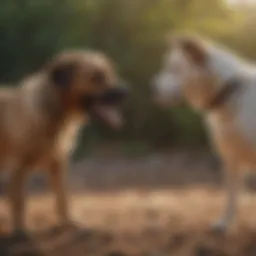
(229, 88)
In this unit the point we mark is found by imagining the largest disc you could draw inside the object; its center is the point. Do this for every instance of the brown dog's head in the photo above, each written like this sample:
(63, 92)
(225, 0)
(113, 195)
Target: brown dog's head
(88, 85)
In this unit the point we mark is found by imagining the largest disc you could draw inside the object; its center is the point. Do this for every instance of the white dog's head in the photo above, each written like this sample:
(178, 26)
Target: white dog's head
(193, 68)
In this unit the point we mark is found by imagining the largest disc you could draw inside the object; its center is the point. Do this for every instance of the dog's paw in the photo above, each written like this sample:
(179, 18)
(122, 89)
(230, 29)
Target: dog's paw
(220, 227)
(19, 235)
(68, 225)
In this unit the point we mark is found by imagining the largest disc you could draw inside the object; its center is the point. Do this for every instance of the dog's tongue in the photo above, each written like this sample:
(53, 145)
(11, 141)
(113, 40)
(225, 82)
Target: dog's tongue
(110, 115)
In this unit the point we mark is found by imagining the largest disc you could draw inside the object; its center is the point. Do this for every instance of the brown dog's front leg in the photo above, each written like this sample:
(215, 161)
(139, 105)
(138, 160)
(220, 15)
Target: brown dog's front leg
(57, 172)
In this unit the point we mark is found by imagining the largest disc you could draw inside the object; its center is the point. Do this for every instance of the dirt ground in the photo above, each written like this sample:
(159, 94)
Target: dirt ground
(155, 223)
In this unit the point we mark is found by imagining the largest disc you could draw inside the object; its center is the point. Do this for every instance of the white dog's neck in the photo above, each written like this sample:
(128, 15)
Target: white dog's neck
(224, 64)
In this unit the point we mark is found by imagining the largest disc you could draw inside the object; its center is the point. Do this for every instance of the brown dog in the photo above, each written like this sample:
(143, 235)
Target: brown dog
(40, 120)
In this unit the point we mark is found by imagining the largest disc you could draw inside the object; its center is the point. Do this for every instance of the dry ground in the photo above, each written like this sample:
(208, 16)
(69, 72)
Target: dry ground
(156, 223)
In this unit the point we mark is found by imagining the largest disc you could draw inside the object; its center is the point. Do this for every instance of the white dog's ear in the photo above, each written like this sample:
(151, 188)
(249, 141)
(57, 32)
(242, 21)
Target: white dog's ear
(193, 46)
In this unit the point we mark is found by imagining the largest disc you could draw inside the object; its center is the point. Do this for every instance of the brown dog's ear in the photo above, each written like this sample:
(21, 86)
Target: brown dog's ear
(62, 74)
(193, 47)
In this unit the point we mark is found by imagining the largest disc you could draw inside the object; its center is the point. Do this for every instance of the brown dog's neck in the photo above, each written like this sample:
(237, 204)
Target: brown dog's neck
(57, 115)
(50, 113)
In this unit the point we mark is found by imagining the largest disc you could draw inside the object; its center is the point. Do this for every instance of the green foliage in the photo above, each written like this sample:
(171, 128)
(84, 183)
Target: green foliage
(133, 33)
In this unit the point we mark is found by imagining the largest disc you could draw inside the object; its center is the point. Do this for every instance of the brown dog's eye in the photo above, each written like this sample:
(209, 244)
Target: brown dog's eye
(98, 77)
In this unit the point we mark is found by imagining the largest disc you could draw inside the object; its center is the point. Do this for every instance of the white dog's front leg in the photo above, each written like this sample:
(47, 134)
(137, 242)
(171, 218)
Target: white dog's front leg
(232, 183)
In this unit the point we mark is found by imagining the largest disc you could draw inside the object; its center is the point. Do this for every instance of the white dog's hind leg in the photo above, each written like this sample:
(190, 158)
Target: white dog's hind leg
(232, 183)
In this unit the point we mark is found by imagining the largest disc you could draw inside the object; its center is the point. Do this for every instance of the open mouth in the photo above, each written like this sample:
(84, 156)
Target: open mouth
(105, 106)
(109, 114)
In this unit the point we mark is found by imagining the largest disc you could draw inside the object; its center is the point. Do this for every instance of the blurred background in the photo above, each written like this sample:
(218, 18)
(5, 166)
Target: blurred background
(133, 33)
(157, 148)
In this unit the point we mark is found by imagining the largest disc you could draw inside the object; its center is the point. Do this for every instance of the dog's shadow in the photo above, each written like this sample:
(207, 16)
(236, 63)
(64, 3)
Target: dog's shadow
(55, 241)
(18, 244)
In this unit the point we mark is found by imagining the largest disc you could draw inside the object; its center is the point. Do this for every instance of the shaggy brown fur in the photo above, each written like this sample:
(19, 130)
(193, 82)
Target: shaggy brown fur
(40, 118)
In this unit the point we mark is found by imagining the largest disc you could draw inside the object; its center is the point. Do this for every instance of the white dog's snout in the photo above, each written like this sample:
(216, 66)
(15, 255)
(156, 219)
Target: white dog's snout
(165, 88)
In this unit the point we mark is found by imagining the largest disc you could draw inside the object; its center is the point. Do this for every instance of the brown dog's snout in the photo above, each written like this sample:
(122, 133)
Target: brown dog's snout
(112, 96)
(115, 95)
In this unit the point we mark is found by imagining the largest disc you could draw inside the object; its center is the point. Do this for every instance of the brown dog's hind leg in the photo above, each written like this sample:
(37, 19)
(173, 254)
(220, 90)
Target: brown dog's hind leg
(17, 197)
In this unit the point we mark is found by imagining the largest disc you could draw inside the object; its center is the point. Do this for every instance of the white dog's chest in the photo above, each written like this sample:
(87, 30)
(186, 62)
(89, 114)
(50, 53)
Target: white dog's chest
(245, 119)
(234, 131)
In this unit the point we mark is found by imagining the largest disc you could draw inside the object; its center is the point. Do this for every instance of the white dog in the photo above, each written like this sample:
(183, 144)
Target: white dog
(223, 88)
